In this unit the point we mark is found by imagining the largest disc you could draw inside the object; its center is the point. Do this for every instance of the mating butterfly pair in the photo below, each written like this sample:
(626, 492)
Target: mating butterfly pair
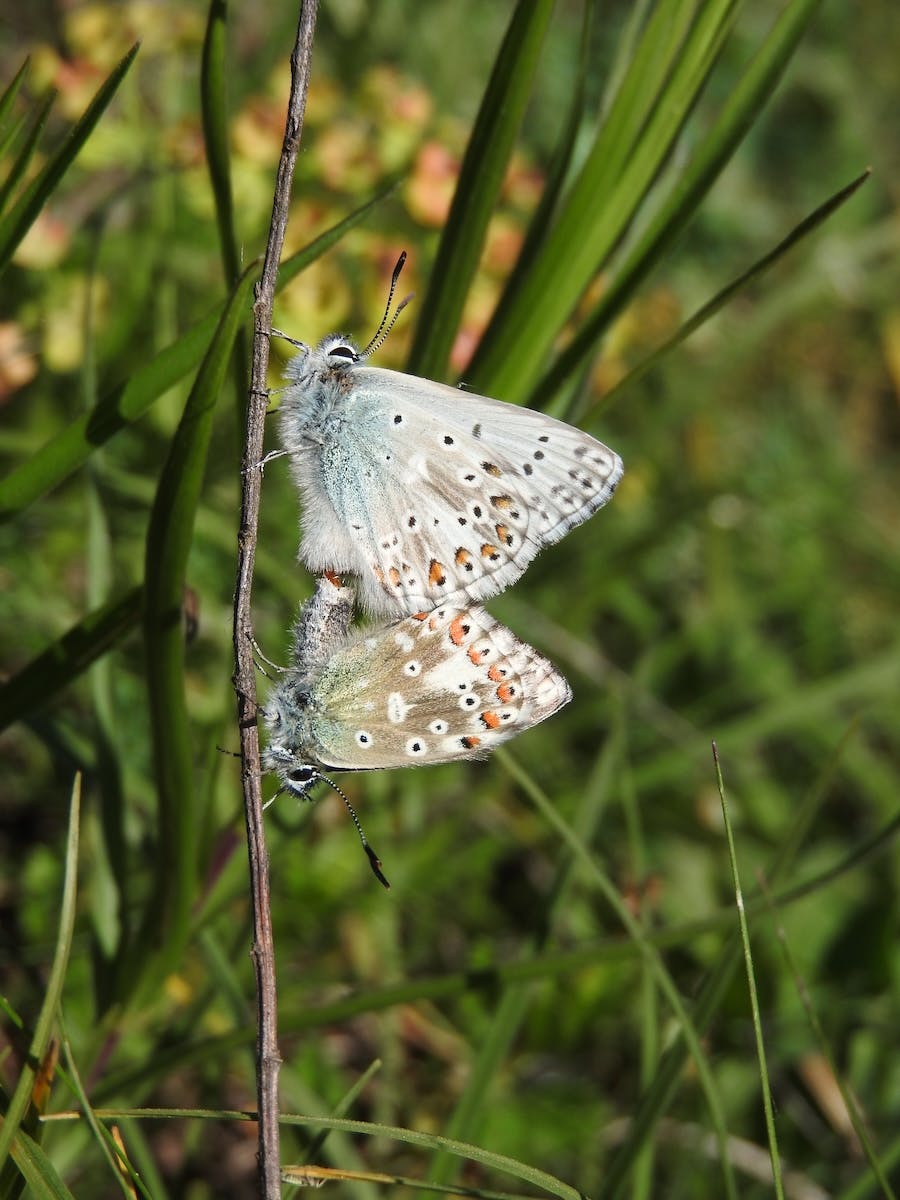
(433, 499)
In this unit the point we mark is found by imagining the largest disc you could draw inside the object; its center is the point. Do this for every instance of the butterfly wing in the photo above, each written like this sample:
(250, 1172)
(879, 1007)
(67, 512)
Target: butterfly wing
(434, 495)
(447, 685)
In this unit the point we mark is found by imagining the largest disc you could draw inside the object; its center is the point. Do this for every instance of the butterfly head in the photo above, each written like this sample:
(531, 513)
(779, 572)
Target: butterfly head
(294, 775)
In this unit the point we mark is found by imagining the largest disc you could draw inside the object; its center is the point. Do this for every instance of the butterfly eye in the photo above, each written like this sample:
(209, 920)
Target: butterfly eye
(346, 352)
(301, 775)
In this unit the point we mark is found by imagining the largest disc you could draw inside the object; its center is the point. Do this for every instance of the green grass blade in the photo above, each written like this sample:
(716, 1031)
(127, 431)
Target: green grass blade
(689, 1032)
(119, 1166)
(37, 1170)
(741, 109)
(343, 1106)
(410, 1137)
(215, 133)
(707, 311)
(169, 539)
(513, 1005)
(16, 223)
(867, 1185)
(593, 221)
(878, 1168)
(543, 967)
(774, 1155)
(213, 91)
(481, 177)
(8, 99)
(659, 1096)
(129, 401)
(20, 165)
(632, 103)
(7, 139)
(559, 167)
(68, 657)
(21, 1097)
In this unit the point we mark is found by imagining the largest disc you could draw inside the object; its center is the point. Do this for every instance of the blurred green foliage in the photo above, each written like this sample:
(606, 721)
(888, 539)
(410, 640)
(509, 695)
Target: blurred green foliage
(742, 586)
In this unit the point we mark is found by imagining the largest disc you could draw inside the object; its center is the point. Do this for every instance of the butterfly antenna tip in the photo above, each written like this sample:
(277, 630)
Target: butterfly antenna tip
(374, 860)
(385, 327)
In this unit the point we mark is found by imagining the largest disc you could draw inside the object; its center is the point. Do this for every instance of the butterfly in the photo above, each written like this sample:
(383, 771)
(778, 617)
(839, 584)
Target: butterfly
(439, 686)
(429, 494)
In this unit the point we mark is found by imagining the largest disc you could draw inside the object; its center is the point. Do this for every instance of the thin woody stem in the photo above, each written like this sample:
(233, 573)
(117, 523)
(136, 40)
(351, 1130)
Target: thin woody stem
(263, 953)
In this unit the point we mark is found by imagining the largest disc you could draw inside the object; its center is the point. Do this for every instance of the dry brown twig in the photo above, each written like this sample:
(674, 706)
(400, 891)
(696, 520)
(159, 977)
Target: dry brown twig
(263, 952)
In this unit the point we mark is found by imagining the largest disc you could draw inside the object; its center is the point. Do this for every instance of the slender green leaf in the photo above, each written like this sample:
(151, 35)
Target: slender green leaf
(129, 401)
(16, 223)
(119, 1166)
(689, 1031)
(867, 1185)
(594, 220)
(478, 187)
(802, 707)
(26, 151)
(659, 1096)
(740, 111)
(215, 136)
(488, 979)
(633, 99)
(857, 1118)
(8, 138)
(560, 165)
(512, 1007)
(55, 668)
(169, 539)
(766, 1089)
(411, 1137)
(8, 99)
(37, 1170)
(21, 1097)
(707, 311)
(215, 133)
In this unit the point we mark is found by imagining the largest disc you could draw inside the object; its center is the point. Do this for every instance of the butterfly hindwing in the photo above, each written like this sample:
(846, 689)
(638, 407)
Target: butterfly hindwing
(444, 685)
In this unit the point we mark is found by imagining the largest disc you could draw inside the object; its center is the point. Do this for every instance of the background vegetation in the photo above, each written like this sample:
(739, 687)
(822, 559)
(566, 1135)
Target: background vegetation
(742, 586)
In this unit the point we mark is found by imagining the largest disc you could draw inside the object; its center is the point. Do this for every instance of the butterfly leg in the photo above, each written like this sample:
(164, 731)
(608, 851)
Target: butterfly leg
(261, 465)
(261, 658)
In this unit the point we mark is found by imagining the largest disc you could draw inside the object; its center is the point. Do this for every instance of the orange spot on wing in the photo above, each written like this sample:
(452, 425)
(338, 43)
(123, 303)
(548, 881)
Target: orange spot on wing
(470, 742)
(419, 616)
(394, 576)
(489, 551)
(462, 556)
(437, 576)
(505, 692)
(503, 534)
(501, 501)
(491, 720)
(457, 631)
(476, 655)
(495, 673)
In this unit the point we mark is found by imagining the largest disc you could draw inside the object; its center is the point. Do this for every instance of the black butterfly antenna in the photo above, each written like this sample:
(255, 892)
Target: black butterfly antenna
(374, 860)
(384, 329)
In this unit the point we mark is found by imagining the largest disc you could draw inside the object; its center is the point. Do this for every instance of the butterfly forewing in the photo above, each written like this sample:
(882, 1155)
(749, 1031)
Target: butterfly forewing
(430, 494)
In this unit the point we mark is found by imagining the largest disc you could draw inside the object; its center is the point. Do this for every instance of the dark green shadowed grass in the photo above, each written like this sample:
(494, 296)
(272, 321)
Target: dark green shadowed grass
(169, 539)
